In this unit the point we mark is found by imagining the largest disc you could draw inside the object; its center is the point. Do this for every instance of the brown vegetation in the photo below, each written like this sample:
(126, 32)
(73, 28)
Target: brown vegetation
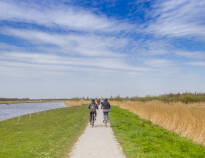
(76, 102)
(188, 120)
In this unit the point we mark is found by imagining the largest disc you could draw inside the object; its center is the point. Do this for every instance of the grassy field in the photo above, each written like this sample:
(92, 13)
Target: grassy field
(48, 134)
(142, 139)
(188, 120)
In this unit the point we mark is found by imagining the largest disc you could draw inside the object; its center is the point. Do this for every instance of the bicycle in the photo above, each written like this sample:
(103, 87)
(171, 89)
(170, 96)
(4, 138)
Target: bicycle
(92, 119)
(106, 117)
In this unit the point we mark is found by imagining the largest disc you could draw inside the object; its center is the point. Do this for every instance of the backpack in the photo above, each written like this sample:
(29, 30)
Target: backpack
(106, 105)
(92, 108)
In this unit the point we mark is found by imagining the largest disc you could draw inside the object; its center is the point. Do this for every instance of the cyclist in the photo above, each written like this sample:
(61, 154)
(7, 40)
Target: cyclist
(93, 106)
(106, 108)
(98, 102)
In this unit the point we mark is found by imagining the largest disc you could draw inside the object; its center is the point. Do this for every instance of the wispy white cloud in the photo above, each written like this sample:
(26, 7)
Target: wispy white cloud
(75, 42)
(66, 17)
(36, 60)
(163, 63)
(150, 47)
(196, 63)
(156, 47)
(178, 18)
(191, 54)
(83, 44)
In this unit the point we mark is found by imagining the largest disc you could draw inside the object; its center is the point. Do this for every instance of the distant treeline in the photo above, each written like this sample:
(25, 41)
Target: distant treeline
(179, 97)
(14, 99)
(27, 99)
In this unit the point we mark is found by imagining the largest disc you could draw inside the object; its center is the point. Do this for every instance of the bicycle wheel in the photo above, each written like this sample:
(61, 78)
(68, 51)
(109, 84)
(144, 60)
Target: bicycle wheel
(93, 120)
(106, 117)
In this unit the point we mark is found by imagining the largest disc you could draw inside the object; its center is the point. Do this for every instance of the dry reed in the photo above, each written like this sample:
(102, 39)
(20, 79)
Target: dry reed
(188, 120)
(76, 102)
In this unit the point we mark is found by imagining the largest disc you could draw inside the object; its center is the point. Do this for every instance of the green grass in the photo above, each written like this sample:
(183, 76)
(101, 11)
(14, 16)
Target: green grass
(48, 134)
(142, 139)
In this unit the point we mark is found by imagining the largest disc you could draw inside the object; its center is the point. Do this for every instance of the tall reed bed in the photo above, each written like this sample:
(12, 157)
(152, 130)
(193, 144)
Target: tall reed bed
(187, 120)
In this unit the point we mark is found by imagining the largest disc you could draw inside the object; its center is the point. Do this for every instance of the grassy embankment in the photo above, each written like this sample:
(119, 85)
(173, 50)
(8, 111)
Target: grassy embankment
(188, 120)
(43, 135)
(141, 139)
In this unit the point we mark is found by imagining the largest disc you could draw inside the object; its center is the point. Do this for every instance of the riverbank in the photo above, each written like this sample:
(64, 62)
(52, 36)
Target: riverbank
(8, 111)
(45, 134)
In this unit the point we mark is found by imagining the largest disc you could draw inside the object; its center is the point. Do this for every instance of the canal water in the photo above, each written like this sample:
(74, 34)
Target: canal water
(8, 111)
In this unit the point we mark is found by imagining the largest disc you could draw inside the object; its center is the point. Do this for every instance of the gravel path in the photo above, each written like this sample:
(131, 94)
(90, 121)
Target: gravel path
(97, 142)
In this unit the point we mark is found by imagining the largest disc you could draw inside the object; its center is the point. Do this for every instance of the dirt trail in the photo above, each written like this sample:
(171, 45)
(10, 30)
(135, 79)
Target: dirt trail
(97, 142)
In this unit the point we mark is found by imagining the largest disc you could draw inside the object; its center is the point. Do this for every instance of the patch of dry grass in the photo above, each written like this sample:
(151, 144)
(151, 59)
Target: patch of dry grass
(76, 102)
(187, 120)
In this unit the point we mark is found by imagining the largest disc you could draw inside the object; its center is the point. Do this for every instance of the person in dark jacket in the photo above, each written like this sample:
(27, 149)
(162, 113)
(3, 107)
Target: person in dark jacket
(106, 108)
(93, 106)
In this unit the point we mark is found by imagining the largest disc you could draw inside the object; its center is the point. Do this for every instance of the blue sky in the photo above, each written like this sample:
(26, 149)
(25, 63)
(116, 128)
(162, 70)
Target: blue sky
(67, 48)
